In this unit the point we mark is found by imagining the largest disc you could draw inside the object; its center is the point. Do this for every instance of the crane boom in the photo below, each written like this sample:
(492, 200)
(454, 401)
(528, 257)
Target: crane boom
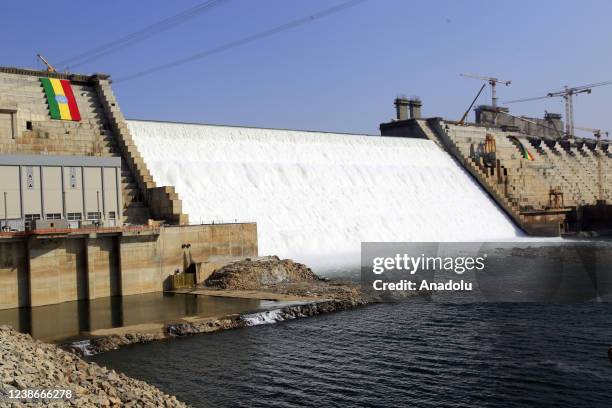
(467, 112)
(50, 68)
(567, 94)
(493, 82)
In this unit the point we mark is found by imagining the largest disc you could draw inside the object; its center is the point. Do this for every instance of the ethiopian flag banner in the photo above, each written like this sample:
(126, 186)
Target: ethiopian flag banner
(524, 152)
(62, 104)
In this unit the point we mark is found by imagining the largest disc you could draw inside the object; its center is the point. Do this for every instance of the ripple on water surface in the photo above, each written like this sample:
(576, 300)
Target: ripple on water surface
(408, 354)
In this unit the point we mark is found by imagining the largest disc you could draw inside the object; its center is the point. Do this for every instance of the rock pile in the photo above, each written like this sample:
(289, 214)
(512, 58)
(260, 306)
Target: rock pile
(260, 273)
(26, 363)
(111, 342)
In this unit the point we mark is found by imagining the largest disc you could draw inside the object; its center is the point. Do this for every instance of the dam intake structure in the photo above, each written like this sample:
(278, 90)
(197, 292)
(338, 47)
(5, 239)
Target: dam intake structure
(317, 196)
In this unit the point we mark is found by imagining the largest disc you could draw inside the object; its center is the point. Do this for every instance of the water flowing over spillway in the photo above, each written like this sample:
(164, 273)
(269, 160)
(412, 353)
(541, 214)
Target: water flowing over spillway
(316, 195)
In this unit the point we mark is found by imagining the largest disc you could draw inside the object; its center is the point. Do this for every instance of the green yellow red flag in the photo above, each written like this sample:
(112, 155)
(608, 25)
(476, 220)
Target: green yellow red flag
(62, 104)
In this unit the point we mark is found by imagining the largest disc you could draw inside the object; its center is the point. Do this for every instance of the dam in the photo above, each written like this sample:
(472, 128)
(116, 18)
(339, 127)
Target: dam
(95, 205)
(319, 195)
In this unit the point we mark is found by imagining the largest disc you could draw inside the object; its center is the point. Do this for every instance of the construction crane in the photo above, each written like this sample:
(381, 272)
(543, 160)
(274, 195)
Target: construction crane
(493, 82)
(596, 132)
(467, 112)
(567, 93)
(50, 68)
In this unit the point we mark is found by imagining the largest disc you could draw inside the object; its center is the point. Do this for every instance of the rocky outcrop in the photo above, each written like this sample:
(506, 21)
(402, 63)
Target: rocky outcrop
(26, 363)
(260, 273)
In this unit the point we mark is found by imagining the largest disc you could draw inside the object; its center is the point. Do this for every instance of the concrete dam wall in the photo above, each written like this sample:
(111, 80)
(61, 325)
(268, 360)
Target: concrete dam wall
(316, 196)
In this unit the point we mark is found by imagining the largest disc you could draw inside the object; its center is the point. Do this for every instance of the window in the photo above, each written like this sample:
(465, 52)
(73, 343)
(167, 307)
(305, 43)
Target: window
(93, 216)
(74, 216)
(112, 215)
(29, 125)
(54, 216)
(29, 218)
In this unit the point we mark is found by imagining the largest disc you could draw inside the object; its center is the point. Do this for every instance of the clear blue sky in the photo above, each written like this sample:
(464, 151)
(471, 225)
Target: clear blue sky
(339, 73)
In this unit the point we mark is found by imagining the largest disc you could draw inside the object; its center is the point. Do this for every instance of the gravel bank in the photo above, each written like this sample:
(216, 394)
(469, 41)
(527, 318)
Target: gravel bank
(26, 363)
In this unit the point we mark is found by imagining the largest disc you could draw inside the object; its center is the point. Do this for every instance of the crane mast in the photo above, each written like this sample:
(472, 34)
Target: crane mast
(492, 81)
(568, 96)
(567, 93)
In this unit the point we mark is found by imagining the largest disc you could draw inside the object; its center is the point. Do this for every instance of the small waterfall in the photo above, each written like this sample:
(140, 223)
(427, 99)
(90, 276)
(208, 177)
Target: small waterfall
(268, 317)
(82, 347)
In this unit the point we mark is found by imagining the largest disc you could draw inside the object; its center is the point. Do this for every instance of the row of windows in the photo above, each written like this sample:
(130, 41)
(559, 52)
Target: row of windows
(93, 216)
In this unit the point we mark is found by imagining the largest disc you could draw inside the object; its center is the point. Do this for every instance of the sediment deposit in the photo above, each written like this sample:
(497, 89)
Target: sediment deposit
(266, 272)
(282, 276)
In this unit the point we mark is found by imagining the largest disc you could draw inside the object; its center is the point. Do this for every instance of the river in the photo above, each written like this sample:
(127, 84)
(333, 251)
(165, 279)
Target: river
(415, 353)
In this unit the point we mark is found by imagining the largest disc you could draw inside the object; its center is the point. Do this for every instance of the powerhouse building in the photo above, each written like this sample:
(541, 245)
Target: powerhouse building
(81, 216)
(59, 191)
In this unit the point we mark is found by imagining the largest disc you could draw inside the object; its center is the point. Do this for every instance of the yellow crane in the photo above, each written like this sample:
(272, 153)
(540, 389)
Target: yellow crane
(50, 68)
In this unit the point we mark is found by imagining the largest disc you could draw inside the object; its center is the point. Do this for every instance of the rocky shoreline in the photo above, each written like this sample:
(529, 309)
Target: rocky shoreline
(26, 363)
(58, 378)
(270, 277)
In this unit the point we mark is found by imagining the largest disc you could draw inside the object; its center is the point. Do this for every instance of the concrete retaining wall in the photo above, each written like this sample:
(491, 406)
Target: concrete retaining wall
(36, 271)
(14, 290)
(57, 270)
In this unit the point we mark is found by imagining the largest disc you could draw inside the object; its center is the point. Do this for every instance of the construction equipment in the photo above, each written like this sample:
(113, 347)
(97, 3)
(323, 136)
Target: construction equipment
(493, 82)
(50, 68)
(472, 104)
(596, 132)
(552, 123)
(567, 94)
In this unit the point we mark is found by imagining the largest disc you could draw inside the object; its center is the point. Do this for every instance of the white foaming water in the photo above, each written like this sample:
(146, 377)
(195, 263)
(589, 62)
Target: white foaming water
(267, 317)
(84, 346)
(317, 196)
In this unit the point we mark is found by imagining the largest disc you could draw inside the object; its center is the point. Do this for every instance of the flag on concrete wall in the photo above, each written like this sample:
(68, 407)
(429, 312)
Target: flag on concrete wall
(62, 104)
(524, 152)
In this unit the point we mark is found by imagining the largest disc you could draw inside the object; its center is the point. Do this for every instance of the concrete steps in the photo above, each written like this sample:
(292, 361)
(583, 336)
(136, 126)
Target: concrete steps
(136, 214)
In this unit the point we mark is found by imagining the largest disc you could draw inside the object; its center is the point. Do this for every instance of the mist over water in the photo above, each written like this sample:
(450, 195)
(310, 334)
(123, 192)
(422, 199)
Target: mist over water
(317, 196)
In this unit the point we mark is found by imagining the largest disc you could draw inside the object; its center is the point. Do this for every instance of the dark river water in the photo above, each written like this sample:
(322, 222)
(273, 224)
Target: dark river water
(416, 353)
